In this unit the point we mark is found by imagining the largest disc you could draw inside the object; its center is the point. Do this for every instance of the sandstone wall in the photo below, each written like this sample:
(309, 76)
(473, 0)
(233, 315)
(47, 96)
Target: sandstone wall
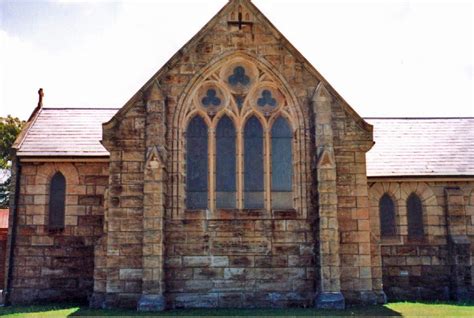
(57, 265)
(156, 251)
(438, 266)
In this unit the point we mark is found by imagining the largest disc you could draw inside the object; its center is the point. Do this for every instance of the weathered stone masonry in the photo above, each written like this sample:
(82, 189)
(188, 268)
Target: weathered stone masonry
(57, 264)
(130, 240)
(439, 265)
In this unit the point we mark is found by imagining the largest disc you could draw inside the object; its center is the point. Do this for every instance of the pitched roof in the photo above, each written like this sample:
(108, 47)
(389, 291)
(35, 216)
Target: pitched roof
(65, 132)
(403, 146)
(421, 147)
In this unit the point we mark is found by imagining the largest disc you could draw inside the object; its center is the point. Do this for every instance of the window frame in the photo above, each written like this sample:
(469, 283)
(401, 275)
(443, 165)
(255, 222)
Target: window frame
(420, 236)
(239, 125)
(394, 218)
(52, 205)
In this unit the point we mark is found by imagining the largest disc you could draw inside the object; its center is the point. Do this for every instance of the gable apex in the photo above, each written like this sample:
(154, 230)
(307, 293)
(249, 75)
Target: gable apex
(239, 17)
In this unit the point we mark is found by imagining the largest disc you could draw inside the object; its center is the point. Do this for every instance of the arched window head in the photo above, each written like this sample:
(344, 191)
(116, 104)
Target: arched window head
(282, 168)
(253, 165)
(57, 199)
(415, 217)
(196, 164)
(387, 216)
(225, 164)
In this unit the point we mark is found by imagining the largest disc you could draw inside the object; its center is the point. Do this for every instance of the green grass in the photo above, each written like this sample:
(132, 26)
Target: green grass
(401, 309)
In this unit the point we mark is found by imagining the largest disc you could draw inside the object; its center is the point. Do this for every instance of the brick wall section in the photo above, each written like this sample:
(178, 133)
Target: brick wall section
(57, 266)
(423, 269)
(3, 256)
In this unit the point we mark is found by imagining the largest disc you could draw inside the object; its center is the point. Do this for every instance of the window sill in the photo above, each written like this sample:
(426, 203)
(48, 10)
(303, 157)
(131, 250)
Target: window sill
(240, 214)
(416, 240)
(391, 240)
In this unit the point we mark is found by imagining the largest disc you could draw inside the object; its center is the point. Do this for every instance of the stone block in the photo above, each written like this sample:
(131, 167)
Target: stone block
(150, 303)
(327, 300)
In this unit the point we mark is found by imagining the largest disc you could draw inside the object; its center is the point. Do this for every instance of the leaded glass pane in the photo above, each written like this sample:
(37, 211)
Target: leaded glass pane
(282, 169)
(225, 164)
(196, 164)
(253, 164)
(387, 216)
(415, 217)
(57, 198)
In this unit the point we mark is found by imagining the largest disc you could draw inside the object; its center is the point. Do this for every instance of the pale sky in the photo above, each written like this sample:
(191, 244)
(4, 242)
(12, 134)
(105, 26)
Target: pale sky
(401, 58)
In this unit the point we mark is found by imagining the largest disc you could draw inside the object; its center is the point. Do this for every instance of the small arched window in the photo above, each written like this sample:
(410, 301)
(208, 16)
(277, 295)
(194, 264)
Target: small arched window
(415, 217)
(225, 164)
(57, 200)
(387, 216)
(282, 170)
(253, 164)
(196, 164)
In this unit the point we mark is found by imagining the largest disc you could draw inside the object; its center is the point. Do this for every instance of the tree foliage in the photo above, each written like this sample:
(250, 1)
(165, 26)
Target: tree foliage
(10, 127)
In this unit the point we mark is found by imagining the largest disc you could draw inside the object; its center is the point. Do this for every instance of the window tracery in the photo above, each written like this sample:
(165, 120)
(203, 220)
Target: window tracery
(247, 120)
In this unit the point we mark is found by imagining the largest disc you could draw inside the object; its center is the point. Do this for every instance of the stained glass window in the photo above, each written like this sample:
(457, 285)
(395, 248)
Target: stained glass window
(415, 217)
(387, 216)
(225, 164)
(57, 198)
(253, 164)
(196, 164)
(281, 165)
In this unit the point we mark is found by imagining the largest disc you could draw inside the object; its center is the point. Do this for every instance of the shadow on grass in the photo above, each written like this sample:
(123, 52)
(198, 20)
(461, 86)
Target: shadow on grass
(369, 311)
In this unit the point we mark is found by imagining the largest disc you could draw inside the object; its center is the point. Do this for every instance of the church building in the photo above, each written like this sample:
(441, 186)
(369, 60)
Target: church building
(238, 177)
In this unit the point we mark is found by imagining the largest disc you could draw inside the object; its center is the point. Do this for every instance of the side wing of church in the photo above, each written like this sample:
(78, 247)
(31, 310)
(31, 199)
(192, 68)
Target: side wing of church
(237, 177)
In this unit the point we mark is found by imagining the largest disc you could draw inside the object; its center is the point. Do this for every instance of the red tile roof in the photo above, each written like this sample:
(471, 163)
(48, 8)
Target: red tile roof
(4, 218)
(403, 146)
(66, 132)
(421, 147)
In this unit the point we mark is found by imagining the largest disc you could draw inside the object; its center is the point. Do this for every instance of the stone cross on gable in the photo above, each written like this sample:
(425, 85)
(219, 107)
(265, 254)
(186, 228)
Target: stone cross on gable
(240, 22)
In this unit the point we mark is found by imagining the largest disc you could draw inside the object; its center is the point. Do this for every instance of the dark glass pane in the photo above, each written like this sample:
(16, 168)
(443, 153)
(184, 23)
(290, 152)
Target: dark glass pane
(415, 217)
(282, 169)
(387, 216)
(253, 164)
(196, 164)
(57, 198)
(225, 164)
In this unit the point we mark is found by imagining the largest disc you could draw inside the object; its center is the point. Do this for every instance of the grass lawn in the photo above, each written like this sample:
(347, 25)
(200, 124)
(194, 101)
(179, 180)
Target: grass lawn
(402, 309)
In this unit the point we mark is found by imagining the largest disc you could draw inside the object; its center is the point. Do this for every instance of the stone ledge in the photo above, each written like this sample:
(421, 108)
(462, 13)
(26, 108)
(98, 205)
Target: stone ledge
(151, 303)
(330, 301)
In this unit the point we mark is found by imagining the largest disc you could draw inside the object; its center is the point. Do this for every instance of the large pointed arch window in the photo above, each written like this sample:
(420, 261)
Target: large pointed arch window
(282, 172)
(240, 133)
(197, 164)
(57, 201)
(225, 164)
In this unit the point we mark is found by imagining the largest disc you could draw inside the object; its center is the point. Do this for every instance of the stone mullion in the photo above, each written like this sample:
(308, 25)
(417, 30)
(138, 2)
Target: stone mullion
(329, 291)
(211, 170)
(240, 170)
(267, 170)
